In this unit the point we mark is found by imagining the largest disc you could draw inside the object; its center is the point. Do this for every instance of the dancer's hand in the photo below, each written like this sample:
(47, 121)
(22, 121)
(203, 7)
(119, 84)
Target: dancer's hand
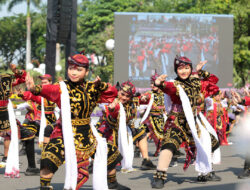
(46, 140)
(234, 101)
(29, 82)
(97, 81)
(236, 97)
(200, 65)
(113, 104)
(144, 98)
(246, 91)
(13, 68)
(160, 80)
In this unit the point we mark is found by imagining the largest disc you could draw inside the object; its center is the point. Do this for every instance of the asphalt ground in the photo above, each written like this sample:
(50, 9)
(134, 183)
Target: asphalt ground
(230, 167)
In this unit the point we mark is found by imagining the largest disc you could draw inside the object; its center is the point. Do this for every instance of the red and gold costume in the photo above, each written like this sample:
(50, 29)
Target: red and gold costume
(247, 101)
(32, 120)
(177, 128)
(217, 117)
(83, 99)
(108, 125)
(28, 129)
(185, 123)
(7, 81)
(155, 120)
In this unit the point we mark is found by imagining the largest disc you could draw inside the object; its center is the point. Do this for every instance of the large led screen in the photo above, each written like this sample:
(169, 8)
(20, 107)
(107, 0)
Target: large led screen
(145, 42)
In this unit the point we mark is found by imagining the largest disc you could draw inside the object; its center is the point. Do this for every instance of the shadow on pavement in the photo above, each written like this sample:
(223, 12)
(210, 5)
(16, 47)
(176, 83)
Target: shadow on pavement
(231, 186)
(235, 171)
(59, 186)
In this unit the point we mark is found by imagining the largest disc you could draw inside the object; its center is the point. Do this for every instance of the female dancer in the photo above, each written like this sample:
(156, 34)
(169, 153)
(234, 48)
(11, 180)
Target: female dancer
(77, 99)
(181, 126)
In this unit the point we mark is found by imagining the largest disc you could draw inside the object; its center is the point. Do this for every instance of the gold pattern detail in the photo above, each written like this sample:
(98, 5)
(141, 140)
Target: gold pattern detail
(52, 157)
(81, 121)
(171, 141)
(138, 135)
(113, 157)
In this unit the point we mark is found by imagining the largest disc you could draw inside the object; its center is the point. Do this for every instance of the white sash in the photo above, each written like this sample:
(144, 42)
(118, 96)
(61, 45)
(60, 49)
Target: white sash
(42, 123)
(125, 142)
(203, 157)
(100, 162)
(12, 163)
(148, 109)
(216, 158)
(68, 138)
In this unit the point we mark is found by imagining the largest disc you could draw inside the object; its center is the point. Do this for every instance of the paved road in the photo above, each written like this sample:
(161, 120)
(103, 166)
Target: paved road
(232, 163)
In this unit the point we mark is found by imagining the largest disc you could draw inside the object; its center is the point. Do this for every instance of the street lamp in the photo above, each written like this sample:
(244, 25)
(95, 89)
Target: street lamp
(58, 68)
(30, 66)
(110, 44)
(42, 67)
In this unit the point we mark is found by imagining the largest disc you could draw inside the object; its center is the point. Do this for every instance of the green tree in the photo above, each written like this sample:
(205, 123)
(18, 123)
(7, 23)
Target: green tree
(96, 15)
(98, 47)
(2, 2)
(12, 39)
(38, 28)
(13, 35)
(36, 3)
(95, 27)
(241, 12)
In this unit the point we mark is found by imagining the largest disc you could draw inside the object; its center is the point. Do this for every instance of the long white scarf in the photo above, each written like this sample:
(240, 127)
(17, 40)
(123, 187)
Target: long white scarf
(68, 138)
(203, 145)
(100, 162)
(42, 123)
(12, 165)
(125, 142)
(216, 158)
(148, 108)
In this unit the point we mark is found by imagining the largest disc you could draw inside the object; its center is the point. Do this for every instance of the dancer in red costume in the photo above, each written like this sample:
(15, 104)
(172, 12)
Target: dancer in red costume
(154, 121)
(216, 116)
(7, 82)
(31, 125)
(185, 92)
(83, 96)
(116, 125)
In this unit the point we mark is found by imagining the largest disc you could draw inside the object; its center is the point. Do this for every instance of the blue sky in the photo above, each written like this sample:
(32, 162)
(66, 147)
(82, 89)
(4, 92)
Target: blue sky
(21, 8)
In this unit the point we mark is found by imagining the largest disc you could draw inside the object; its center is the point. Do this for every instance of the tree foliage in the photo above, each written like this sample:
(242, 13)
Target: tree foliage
(95, 25)
(13, 3)
(13, 39)
(241, 12)
(96, 15)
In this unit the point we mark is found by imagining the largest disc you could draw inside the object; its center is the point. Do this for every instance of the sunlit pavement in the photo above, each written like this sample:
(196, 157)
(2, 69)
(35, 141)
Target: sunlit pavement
(231, 166)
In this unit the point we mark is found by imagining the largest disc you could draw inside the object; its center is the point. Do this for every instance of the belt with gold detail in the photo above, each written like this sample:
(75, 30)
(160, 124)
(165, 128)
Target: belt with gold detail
(85, 121)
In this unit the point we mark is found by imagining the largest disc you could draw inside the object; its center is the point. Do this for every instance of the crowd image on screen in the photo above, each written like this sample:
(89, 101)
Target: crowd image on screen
(155, 40)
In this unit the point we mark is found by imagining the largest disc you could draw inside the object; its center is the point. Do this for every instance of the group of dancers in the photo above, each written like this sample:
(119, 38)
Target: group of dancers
(195, 119)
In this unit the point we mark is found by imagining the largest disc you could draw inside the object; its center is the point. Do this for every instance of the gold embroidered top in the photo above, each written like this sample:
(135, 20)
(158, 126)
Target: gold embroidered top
(158, 104)
(6, 81)
(83, 99)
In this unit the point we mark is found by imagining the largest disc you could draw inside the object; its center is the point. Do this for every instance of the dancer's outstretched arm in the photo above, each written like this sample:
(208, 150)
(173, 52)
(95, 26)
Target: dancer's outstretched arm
(51, 92)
